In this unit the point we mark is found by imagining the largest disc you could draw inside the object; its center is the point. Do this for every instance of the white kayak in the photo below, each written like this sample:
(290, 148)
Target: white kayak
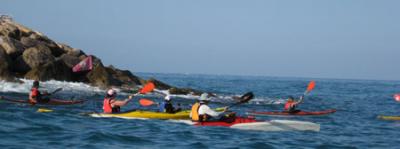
(272, 125)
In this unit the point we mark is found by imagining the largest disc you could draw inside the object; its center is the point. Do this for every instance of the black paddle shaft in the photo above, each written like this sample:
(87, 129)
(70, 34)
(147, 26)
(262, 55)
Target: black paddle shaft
(245, 98)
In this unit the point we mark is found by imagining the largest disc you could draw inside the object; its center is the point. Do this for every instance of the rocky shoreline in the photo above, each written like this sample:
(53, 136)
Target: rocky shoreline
(26, 53)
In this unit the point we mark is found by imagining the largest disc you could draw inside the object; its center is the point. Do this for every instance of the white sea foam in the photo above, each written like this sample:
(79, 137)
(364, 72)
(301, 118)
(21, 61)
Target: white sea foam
(68, 87)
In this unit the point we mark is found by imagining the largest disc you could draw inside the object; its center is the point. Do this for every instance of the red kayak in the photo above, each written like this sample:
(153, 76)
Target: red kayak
(237, 120)
(272, 125)
(51, 102)
(301, 113)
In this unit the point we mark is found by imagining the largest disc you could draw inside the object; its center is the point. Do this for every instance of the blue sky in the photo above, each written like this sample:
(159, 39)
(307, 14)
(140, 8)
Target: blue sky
(357, 39)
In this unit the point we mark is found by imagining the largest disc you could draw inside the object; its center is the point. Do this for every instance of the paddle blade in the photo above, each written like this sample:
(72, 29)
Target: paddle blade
(147, 88)
(396, 97)
(146, 102)
(42, 110)
(311, 86)
(246, 97)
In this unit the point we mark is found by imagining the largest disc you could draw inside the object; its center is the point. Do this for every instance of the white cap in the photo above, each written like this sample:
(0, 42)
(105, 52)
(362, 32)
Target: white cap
(204, 97)
(167, 98)
(111, 92)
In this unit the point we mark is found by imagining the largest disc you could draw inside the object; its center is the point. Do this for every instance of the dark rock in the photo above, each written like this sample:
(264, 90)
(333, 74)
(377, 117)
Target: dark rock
(99, 76)
(55, 49)
(71, 61)
(28, 42)
(123, 76)
(9, 30)
(12, 29)
(4, 66)
(20, 66)
(12, 47)
(159, 85)
(71, 51)
(38, 55)
(185, 91)
(82, 57)
(56, 70)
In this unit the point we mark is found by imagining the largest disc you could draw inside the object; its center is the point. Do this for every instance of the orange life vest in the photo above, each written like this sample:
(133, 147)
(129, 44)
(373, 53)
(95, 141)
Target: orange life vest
(34, 94)
(195, 112)
(196, 117)
(289, 105)
(107, 108)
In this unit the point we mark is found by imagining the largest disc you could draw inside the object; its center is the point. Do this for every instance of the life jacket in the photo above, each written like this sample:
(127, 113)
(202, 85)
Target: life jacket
(35, 93)
(195, 112)
(290, 105)
(107, 108)
(196, 117)
(107, 105)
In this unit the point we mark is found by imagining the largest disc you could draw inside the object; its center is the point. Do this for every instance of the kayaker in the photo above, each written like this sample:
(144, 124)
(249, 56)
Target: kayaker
(178, 108)
(201, 112)
(112, 105)
(35, 96)
(167, 106)
(291, 104)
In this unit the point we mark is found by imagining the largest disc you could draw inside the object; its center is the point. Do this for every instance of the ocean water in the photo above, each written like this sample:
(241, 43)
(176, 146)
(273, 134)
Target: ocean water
(354, 125)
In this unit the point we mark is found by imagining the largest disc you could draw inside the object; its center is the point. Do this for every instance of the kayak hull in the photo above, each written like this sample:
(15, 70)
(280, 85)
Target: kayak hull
(394, 118)
(140, 114)
(51, 102)
(252, 124)
(145, 115)
(301, 113)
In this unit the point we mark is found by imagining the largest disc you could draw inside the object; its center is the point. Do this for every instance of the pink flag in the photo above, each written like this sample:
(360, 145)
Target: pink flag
(85, 65)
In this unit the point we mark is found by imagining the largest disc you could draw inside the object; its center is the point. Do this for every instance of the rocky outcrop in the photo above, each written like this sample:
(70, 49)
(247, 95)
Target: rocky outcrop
(56, 70)
(25, 53)
(38, 56)
(4, 65)
(12, 47)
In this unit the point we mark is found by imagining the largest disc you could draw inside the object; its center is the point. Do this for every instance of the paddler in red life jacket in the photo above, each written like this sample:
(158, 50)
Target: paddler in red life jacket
(35, 96)
(291, 104)
(111, 105)
(201, 112)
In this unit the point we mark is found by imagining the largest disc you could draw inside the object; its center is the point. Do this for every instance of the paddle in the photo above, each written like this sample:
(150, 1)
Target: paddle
(43, 110)
(146, 102)
(147, 88)
(310, 87)
(55, 91)
(245, 98)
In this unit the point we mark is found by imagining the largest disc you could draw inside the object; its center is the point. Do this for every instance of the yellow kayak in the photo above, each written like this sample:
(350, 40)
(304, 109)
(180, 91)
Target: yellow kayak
(396, 118)
(141, 114)
(145, 115)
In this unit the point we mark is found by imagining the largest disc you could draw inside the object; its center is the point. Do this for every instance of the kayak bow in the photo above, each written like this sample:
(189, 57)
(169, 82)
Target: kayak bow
(394, 118)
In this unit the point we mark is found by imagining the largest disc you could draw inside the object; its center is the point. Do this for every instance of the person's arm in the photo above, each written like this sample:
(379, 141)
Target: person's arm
(301, 99)
(121, 103)
(209, 111)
